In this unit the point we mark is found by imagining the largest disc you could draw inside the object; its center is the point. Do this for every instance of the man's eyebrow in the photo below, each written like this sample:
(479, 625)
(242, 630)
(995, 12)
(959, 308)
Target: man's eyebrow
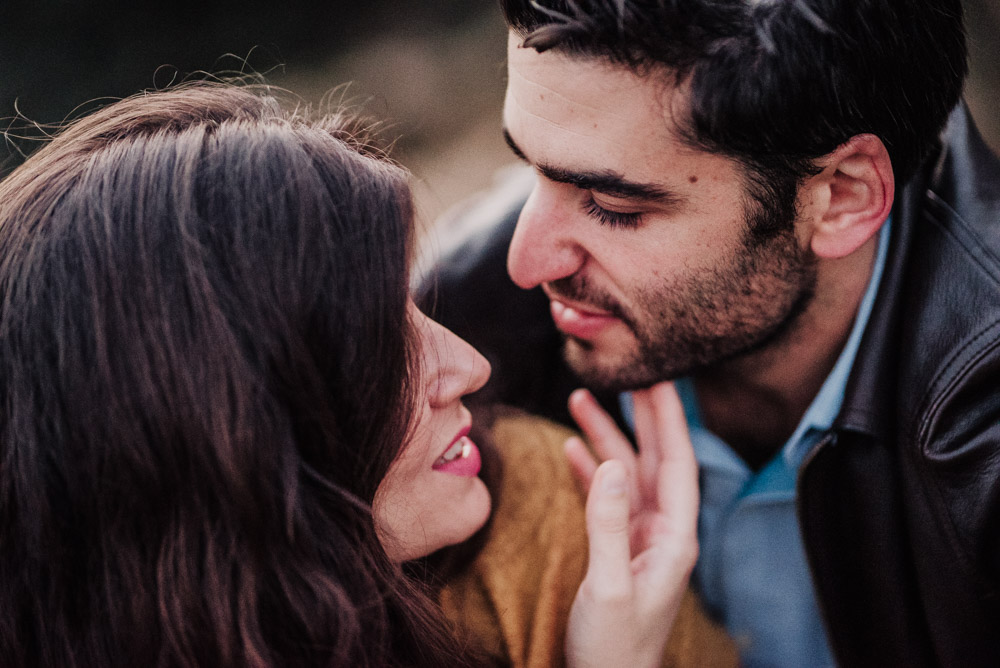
(607, 182)
(513, 145)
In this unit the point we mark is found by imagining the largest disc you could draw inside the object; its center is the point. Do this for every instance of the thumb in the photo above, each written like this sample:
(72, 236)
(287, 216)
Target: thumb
(609, 572)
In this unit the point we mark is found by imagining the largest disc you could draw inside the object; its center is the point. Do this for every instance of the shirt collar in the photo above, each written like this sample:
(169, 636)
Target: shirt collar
(823, 409)
(827, 402)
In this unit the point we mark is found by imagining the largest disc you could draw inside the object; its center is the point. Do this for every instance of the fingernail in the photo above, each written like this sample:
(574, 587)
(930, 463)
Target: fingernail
(614, 481)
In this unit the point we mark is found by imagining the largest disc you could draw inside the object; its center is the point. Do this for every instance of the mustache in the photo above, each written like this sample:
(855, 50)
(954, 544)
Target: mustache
(578, 289)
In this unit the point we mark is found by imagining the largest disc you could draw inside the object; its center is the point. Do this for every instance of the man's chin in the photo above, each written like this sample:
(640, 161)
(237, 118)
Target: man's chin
(608, 371)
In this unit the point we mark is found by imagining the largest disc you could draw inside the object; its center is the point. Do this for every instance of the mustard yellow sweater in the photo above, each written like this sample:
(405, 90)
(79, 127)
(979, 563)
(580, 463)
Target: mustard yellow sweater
(515, 598)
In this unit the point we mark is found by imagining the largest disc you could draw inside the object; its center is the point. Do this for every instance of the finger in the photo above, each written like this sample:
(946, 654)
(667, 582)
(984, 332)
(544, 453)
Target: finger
(605, 437)
(582, 463)
(677, 485)
(648, 437)
(661, 574)
(609, 573)
(668, 412)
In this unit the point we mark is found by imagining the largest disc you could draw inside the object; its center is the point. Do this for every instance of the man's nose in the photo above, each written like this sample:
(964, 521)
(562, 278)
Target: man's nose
(543, 248)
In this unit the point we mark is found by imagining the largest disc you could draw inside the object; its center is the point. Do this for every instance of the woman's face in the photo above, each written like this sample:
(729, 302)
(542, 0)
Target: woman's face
(432, 496)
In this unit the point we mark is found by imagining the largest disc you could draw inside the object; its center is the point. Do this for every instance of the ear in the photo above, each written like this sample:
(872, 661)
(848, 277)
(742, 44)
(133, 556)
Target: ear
(854, 195)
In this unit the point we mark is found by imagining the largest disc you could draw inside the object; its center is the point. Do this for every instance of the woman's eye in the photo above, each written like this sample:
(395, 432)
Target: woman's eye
(612, 218)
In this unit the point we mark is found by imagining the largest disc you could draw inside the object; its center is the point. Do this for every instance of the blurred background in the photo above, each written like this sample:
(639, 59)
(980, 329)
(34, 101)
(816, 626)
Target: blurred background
(434, 69)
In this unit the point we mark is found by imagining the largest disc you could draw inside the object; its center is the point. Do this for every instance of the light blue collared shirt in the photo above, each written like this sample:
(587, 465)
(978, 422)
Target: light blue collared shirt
(752, 571)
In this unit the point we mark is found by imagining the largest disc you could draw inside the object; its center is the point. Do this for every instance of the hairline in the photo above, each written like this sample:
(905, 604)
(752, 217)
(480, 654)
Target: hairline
(753, 175)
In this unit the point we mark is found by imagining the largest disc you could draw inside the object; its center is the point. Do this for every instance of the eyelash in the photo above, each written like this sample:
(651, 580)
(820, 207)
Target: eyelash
(612, 219)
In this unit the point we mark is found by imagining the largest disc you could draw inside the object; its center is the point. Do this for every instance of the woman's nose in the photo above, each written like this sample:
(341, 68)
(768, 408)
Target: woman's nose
(453, 367)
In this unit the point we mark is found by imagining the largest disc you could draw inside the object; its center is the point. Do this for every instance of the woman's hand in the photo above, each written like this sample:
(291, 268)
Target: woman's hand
(642, 512)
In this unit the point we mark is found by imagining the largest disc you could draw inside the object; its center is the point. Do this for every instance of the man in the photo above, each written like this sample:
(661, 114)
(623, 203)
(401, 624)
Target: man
(783, 205)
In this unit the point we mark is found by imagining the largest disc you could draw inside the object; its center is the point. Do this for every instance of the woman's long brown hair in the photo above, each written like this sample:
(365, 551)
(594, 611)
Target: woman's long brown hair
(205, 371)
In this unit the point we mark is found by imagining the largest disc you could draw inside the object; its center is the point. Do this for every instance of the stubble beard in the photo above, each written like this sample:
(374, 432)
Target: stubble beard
(701, 320)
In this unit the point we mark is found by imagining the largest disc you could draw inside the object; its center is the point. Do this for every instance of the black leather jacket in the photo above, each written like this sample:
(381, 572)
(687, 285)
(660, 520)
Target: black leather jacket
(899, 505)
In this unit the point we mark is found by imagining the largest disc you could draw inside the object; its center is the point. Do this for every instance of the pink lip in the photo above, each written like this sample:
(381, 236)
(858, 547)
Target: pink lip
(578, 322)
(467, 463)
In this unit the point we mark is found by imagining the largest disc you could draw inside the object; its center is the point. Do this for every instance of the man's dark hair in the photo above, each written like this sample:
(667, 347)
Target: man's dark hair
(776, 84)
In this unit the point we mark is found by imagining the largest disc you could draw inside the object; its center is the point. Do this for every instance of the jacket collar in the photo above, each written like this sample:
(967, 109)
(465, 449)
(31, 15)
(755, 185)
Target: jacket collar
(869, 400)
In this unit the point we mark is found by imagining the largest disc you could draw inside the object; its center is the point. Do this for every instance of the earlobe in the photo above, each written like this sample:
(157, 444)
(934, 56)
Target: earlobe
(859, 191)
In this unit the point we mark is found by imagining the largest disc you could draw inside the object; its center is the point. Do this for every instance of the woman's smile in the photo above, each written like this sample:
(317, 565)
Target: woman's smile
(461, 457)
(417, 509)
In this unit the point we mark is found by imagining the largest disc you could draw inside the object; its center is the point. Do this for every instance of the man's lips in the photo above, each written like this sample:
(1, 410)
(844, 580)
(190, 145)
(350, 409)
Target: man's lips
(578, 321)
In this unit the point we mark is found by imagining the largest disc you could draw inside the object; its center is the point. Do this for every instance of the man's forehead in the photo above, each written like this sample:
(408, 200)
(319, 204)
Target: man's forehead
(587, 84)
(583, 113)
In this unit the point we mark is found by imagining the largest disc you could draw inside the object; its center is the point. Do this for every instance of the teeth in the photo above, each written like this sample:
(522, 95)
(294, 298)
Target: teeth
(459, 448)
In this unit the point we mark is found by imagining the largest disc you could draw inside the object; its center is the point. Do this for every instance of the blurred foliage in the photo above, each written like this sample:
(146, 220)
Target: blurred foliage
(433, 67)
(56, 55)
(983, 88)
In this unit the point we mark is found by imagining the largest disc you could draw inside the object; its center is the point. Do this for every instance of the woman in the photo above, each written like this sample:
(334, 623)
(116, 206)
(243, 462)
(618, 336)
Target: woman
(225, 427)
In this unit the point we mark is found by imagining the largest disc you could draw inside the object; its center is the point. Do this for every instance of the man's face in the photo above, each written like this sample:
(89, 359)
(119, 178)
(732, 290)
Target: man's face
(643, 244)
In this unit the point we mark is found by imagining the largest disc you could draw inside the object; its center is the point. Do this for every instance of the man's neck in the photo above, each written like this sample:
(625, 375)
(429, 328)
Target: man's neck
(755, 402)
